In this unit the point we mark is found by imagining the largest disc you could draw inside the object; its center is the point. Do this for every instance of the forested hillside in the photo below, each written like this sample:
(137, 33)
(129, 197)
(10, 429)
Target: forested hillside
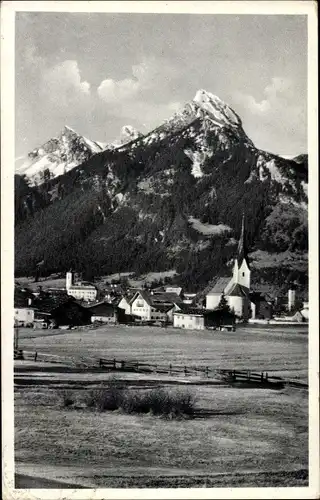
(172, 199)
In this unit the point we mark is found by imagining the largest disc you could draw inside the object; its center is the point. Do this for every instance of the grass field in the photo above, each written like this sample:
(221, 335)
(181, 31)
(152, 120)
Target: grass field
(278, 349)
(246, 437)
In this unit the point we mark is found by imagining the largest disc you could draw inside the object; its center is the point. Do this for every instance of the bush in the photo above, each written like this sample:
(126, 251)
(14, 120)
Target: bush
(67, 398)
(156, 401)
(159, 402)
(108, 397)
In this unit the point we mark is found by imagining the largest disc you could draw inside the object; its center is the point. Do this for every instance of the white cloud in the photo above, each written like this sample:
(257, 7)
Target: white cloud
(279, 92)
(142, 78)
(63, 83)
(111, 91)
(282, 113)
(134, 98)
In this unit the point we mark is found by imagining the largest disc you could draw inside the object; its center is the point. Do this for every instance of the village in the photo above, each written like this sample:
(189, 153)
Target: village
(227, 301)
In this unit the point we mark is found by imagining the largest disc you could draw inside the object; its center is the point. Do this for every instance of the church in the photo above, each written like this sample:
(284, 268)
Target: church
(236, 289)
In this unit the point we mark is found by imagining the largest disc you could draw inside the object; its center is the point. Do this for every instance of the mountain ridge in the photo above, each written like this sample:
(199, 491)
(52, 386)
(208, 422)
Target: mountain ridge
(148, 204)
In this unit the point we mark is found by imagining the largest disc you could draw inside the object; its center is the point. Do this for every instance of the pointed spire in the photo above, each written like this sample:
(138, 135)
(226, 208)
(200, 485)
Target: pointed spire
(241, 254)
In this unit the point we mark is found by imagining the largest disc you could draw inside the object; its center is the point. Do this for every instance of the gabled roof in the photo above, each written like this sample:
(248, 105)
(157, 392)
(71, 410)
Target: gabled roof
(220, 285)
(165, 298)
(145, 295)
(48, 304)
(238, 291)
(21, 298)
(192, 311)
(163, 307)
(102, 307)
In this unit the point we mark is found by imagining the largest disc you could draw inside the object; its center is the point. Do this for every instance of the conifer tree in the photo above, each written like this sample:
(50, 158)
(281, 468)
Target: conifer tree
(223, 304)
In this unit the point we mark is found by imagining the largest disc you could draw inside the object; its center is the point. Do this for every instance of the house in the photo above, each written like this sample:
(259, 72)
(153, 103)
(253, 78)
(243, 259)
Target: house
(153, 307)
(261, 308)
(201, 319)
(61, 310)
(105, 313)
(125, 304)
(23, 307)
(235, 289)
(190, 319)
(80, 290)
(174, 289)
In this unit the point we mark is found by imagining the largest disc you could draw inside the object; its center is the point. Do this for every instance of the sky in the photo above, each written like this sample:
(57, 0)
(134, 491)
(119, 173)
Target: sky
(98, 72)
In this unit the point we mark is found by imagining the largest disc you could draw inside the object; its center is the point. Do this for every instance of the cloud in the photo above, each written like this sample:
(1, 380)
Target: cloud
(111, 91)
(278, 93)
(62, 83)
(136, 97)
(282, 114)
(143, 77)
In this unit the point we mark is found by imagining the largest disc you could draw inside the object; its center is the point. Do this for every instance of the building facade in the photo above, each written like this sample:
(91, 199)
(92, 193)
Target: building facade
(80, 291)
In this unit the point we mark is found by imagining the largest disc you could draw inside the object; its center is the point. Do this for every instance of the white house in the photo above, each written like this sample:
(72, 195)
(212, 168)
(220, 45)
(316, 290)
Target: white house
(23, 307)
(188, 320)
(125, 305)
(236, 289)
(152, 307)
(80, 291)
(23, 315)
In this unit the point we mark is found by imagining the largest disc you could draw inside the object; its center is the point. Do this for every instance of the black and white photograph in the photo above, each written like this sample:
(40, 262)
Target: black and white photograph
(160, 203)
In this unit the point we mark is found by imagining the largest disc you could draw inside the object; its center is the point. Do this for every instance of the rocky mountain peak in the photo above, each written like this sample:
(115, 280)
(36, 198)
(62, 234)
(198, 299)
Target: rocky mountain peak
(129, 133)
(217, 110)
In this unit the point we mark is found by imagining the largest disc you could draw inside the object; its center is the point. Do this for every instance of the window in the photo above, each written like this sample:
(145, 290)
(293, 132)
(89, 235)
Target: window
(242, 274)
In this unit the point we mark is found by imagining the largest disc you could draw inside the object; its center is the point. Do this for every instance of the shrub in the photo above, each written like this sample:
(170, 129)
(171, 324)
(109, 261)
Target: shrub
(67, 398)
(108, 397)
(159, 402)
(156, 401)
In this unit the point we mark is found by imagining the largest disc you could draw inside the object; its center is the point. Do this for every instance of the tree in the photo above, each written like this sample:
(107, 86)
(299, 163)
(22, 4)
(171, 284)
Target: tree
(223, 304)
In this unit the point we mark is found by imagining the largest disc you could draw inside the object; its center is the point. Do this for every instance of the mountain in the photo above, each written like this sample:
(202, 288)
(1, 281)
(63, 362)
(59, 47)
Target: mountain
(57, 156)
(69, 150)
(171, 199)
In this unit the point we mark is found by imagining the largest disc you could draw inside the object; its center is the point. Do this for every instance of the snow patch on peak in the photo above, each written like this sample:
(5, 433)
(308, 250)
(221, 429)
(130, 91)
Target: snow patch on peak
(70, 129)
(129, 133)
(218, 109)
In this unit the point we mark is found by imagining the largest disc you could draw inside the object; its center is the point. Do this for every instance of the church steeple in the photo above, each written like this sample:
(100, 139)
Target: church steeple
(241, 269)
(241, 253)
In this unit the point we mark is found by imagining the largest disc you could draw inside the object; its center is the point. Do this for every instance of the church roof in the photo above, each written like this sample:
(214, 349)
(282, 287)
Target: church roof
(238, 291)
(220, 285)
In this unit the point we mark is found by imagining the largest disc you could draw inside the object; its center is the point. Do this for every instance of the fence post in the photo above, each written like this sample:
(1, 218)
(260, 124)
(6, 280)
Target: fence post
(261, 376)
(185, 370)
(266, 376)
(207, 371)
(249, 375)
(114, 363)
(100, 362)
(170, 369)
(35, 356)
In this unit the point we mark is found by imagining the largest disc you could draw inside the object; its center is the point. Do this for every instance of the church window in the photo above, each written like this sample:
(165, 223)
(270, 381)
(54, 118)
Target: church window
(242, 274)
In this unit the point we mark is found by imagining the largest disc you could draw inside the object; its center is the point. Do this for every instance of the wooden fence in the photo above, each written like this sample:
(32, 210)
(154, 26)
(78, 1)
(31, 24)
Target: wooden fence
(227, 375)
(114, 365)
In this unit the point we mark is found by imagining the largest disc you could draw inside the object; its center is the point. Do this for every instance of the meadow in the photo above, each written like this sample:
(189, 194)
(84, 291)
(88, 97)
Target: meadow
(245, 437)
(278, 350)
